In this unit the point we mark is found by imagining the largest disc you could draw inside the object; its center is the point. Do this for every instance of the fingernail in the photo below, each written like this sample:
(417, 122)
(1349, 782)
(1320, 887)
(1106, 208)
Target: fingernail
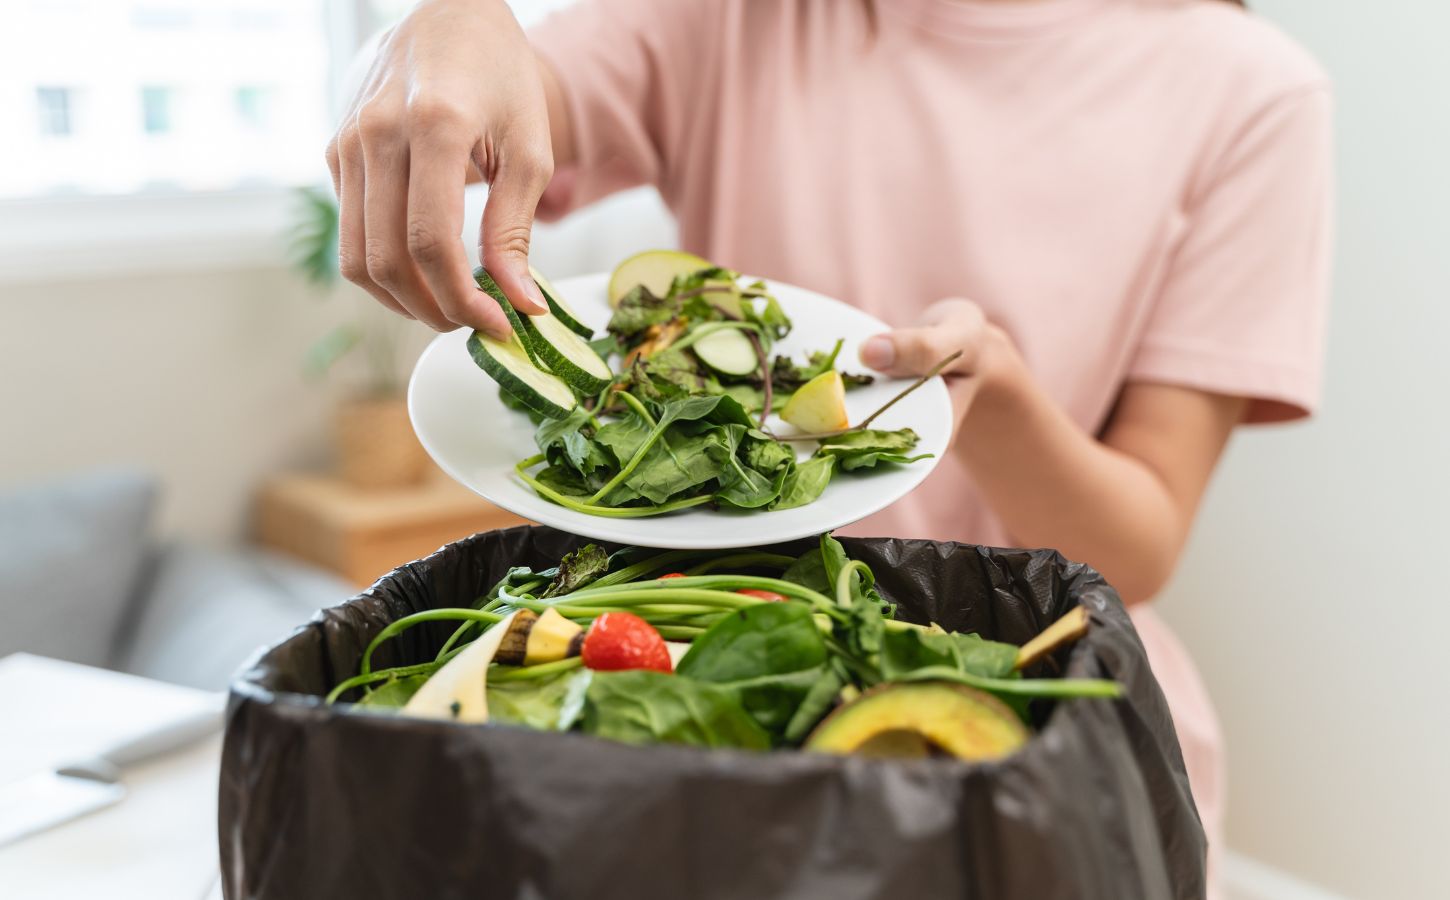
(878, 352)
(535, 297)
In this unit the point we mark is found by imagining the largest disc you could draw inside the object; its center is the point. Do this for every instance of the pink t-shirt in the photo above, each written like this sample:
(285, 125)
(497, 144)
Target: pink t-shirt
(1136, 190)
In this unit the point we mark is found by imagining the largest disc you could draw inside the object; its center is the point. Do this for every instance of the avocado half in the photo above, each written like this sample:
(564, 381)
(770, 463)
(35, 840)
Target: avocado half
(921, 719)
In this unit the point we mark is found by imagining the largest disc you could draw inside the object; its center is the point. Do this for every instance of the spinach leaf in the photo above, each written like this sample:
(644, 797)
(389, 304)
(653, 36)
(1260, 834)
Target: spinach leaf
(867, 447)
(549, 704)
(765, 454)
(563, 442)
(809, 570)
(564, 480)
(606, 346)
(817, 701)
(906, 652)
(639, 309)
(675, 373)
(578, 569)
(623, 437)
(677, 461)
(805, 483)
(740, 484)
(393, 693)
(769, 656)
(644, 707)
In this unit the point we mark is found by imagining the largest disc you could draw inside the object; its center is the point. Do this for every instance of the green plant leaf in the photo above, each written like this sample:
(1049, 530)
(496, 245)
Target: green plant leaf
(644, 707)
(328, 349)
(541, 703)
(393, 693)
(578, 569)
(769, 656)
(313, 237)
(805, 483)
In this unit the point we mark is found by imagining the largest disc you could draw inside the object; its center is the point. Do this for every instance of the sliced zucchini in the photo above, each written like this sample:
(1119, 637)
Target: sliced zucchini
(728, 352)
(551, 344)
(510, 365)
(559, 308)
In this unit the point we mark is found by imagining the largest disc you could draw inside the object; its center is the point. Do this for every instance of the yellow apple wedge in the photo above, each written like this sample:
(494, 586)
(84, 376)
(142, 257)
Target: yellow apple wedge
(819, 405)
(655, 269)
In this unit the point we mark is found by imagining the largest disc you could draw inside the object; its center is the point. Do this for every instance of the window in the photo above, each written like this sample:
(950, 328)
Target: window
(156, 110)
(54, 104)
(254, 106)
(165, 134)
(152, 68)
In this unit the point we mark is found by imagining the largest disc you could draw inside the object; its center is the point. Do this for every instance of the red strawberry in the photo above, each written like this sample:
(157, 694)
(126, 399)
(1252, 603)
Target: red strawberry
(621, 640)
(771, 596)
(672, 575)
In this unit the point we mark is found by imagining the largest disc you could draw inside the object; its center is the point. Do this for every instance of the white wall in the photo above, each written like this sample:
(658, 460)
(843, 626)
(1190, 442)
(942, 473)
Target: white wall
(197, 375)
(1313, 593)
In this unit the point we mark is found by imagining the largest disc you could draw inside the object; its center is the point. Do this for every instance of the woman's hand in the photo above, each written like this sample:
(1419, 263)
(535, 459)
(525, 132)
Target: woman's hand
(945, 327)
(455, 90)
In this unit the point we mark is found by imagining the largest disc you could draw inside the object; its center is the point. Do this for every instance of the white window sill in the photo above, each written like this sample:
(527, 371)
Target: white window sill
(52, 238)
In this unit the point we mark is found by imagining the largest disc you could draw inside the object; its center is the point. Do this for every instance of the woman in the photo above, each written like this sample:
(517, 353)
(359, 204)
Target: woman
(1117, 208)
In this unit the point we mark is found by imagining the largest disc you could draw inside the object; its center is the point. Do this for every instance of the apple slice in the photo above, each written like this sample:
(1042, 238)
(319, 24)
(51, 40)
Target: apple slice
(655, 269)
(819, 405)
(459, 690)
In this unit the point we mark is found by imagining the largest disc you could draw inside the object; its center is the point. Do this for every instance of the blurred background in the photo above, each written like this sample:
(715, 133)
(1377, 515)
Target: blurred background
(178, 367)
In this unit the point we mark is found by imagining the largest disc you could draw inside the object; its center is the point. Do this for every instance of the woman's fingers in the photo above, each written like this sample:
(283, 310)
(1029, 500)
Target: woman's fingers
(518, 182)
(345, 158)
(948, 327)
(385, 219)
(437, 169)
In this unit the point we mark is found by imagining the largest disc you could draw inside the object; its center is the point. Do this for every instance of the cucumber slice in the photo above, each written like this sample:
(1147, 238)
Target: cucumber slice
(728, 352)
(559, 308)
(551, 344)
(509, 364)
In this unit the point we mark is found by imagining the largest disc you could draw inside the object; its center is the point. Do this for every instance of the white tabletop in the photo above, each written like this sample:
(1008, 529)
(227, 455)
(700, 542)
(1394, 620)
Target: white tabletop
(159, 843)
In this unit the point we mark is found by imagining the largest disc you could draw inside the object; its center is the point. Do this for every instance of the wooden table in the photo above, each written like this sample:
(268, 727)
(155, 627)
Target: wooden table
(363, 533)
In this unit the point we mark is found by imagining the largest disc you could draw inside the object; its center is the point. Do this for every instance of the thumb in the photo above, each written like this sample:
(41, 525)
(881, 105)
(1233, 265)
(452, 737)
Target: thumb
(907, 352)
(508, 219)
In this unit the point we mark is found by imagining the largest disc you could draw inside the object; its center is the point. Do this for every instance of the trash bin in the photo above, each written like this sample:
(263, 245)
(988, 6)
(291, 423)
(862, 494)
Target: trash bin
(322, 802)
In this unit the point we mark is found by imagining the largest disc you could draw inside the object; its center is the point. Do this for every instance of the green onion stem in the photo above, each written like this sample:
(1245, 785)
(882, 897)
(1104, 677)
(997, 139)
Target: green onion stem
(843, 580)
(418, 618)
(426, 668)
(743, 560)
(644, 567)
(639, 408)
(615, 512)
(505, 674)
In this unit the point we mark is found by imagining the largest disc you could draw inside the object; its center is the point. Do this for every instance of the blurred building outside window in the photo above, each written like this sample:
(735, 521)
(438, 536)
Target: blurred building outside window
(147, 126)
(53, 105)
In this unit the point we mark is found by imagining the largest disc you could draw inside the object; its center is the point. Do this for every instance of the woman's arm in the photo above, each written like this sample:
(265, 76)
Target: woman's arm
(1123, 503)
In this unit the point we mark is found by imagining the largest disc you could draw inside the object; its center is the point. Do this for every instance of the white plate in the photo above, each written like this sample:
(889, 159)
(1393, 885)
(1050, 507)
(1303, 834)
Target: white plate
(457, 414)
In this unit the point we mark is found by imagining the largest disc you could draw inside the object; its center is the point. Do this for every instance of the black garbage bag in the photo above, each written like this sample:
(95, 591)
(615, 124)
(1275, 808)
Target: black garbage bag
(320, 803)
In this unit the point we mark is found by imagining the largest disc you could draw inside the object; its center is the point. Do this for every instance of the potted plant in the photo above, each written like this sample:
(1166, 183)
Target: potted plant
(373, 439)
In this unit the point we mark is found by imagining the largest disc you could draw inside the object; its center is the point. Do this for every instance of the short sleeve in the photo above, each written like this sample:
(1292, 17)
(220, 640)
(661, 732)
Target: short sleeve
(632, 72)
(1243, 305)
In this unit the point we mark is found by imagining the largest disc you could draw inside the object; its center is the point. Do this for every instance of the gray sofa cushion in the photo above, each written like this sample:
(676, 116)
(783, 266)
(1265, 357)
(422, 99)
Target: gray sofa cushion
(71, 555)
(205, 612)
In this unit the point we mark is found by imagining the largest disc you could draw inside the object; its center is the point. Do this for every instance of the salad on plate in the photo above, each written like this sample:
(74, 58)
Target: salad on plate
(671, 407)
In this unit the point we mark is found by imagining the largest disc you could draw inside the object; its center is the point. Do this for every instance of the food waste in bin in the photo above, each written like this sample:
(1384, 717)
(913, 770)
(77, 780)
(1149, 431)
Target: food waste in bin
(752, 650)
